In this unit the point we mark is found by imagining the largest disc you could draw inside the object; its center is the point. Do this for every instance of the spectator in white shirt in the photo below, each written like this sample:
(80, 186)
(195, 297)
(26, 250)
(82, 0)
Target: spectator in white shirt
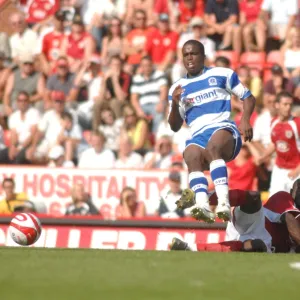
(110, 126)
(24, 39)
(49, 129)
(97, 157)
(89, 76)
(127, 159)
(279, 16)
(23, 126)
(161, 158)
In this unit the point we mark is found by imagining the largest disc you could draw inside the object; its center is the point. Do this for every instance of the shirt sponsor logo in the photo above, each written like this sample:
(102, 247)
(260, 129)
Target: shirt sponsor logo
(205, 96)
(282, 146)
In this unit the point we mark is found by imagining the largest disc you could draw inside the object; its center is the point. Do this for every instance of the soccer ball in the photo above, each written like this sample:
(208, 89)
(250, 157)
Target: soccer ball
(25, 229)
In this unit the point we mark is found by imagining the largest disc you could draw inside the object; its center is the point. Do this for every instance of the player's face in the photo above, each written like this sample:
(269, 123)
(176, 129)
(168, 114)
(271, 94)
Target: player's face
(193, 59)
(285, 107)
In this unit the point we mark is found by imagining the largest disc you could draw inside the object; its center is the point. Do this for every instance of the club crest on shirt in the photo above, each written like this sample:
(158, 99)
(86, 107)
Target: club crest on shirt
(288, 134)
(282, 146)
(212, 81)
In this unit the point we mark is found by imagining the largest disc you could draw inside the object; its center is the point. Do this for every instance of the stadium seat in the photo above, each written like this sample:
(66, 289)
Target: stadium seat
(267, 74)
(273, 58)
(87, 135)
(6, 137)
(231, 55)
(254, 60)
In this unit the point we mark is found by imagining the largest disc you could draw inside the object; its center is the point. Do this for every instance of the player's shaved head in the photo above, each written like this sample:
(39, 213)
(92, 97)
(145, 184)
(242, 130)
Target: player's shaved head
(196, 44)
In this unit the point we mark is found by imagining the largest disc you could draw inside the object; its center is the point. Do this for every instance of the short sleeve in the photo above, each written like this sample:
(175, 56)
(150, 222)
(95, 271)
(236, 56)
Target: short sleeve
(257, 131)
(234, 86)
(134, 89)
(34, 116)
(11, 122)
(292, 8)
(174, 40)
(43, 124)
(162, 80)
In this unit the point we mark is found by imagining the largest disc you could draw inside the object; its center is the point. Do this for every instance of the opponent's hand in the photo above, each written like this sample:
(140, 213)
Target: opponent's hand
(176, 96)
(246, 130)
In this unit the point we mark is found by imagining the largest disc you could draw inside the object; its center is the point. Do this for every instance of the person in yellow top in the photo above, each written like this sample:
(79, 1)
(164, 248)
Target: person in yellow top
(12, 200)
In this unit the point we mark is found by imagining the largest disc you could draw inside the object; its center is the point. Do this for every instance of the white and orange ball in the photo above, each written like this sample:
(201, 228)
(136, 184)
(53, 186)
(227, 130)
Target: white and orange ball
(25, 229)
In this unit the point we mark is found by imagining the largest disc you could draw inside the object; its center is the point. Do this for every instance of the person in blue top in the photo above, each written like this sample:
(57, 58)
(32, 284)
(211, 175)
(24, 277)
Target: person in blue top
(202, 100)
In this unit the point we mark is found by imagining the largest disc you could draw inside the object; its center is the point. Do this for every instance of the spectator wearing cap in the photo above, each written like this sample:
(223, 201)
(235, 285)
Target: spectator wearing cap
(4, 45)
(81, 202)
(167, 205)
(161, 157)
(136, 5)
(113, 43)
(62, 80)
(51, 43)
(127, 158)
(97, 157)
(135, 40)
(24, 39)
(222, 62)
(89, 77)
(277, 83)
(115, 86)
(79, 45)
(129, 206)
(189, 9)
(252, 25)
(161, 44)
(279, 17)
(22, 124)
(27, 79)
(198, 33)
(49, 129)
(4, 74)
(149, 92)
(221, 17)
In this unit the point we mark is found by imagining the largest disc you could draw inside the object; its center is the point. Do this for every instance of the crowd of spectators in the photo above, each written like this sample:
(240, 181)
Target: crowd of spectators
(84, 83)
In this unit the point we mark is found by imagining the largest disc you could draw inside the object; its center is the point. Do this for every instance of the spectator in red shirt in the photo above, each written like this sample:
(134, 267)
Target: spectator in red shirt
(51, 43)
(39, 11)
(189, 9)
(161, 44)
(242, 171)
(115, 86)
(135, 41)
(79, 45)
(252, 25)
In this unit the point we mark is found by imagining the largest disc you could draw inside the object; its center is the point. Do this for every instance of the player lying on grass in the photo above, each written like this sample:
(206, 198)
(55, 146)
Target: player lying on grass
(281, 215)
(246, 232)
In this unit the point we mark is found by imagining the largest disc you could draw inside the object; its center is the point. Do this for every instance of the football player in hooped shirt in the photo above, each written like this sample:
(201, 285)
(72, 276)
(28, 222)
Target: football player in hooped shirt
(285, 131)
(202, 100)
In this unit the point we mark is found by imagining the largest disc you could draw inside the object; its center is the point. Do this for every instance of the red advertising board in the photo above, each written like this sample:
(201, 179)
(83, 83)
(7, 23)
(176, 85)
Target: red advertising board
(115, 237)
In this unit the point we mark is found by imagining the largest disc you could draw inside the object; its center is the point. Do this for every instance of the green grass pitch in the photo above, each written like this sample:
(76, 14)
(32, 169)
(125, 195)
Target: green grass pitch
(63, 274)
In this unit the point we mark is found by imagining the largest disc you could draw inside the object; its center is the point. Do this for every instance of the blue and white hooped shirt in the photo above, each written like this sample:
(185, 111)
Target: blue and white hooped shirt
(206, 98)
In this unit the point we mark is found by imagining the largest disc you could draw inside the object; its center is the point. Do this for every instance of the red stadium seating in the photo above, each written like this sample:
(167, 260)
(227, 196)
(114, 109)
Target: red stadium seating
(273, 58)
(231, 55)
(255, 60)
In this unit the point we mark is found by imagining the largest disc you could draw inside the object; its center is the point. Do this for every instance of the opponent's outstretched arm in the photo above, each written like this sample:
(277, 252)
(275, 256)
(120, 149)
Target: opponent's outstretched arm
(175, 120)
